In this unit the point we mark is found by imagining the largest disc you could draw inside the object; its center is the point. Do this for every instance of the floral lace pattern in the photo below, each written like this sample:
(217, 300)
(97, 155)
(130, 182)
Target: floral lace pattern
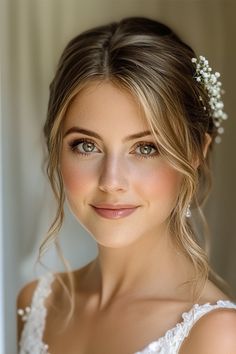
(170, 343)
(34, 317)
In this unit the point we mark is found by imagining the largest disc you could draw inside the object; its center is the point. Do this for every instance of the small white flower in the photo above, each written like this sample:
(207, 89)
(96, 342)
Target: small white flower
(213, 79)
(211, 84)
(218, 139)
(219, 104)
(224, 116)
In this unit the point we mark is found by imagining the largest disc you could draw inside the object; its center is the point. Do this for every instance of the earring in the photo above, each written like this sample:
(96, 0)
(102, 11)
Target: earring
(188, 212)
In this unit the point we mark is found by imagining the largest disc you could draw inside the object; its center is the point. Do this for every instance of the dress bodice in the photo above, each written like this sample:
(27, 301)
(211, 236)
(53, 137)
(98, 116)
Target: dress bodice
(34, 316)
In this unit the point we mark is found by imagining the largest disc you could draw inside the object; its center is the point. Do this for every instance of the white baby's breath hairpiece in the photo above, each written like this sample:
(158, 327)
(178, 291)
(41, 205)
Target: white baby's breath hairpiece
(212, 85)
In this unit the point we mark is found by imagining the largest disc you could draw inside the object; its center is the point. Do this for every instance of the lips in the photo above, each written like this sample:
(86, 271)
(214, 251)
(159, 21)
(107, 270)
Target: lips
(114, 206)
(111, 211)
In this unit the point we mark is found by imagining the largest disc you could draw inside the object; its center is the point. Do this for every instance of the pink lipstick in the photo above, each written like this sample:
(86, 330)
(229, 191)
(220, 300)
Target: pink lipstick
(114, 213)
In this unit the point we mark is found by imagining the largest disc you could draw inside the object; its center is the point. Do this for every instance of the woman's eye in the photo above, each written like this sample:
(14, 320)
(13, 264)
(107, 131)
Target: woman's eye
(82, 146)
(146, 149)
(85, 147)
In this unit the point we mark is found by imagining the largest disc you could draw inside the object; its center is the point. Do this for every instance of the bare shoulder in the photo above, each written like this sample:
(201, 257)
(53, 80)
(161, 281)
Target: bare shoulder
(23, 300)
(212, 293)
(24, 296)
(214, 333)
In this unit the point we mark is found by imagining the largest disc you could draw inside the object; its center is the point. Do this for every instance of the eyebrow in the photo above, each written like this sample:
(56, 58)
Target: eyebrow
(95, 135)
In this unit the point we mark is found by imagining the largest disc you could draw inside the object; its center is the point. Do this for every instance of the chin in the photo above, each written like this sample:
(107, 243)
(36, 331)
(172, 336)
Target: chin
(117, 240)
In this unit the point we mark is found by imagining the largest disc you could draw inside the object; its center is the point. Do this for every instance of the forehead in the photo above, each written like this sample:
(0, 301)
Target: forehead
(104, 105)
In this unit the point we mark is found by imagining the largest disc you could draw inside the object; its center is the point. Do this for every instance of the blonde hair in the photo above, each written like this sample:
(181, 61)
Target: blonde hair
(151, 62)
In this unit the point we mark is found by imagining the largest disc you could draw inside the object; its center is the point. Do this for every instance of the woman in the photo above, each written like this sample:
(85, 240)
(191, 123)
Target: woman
(132, 118)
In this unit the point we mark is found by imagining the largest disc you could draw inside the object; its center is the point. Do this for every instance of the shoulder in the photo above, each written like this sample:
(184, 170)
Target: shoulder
(25, 294)
(23, 300)
(214, 332)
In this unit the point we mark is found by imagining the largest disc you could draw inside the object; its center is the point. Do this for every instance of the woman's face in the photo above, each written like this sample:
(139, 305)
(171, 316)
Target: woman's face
(115, 168)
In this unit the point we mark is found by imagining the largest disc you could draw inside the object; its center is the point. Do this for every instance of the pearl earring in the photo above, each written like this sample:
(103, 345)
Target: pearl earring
(188, 212)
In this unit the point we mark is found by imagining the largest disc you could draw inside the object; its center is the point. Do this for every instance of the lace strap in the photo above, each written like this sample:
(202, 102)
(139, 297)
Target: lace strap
(34, 316)
(170, 343)
(192, 316)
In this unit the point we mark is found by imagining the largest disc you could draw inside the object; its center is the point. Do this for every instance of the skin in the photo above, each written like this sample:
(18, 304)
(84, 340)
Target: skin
(133, 292)
(114, 172)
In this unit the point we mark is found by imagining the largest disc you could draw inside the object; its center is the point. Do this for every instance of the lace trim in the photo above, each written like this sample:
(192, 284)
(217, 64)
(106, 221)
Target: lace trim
(173, 338)
(32, 334)
(34, 316)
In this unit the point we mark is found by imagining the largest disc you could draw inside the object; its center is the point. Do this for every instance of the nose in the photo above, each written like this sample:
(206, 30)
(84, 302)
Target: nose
(113, 176)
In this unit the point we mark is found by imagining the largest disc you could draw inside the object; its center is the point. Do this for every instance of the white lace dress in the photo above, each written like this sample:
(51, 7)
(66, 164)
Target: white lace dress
(35, 316)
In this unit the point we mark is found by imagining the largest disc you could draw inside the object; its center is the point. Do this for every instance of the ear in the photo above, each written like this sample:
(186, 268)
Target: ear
(208, 140)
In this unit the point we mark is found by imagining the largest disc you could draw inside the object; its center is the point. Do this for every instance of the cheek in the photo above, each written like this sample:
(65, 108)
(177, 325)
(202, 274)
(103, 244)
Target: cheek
(75, 177)
(160, 183)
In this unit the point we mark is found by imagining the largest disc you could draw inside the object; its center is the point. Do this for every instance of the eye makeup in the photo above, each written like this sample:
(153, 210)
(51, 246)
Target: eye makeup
(73, 146)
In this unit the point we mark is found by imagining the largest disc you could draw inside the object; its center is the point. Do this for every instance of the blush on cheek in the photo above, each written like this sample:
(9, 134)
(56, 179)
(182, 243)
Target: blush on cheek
(161, 183)
(76, 178)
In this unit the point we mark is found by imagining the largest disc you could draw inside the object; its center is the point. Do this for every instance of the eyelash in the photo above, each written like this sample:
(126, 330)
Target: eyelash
(73, 145)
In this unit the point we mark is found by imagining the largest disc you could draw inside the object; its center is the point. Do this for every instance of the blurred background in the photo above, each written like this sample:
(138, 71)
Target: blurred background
(33, 35)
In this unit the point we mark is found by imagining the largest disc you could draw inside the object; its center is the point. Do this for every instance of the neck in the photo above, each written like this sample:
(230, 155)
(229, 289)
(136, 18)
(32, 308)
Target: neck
(150, 267)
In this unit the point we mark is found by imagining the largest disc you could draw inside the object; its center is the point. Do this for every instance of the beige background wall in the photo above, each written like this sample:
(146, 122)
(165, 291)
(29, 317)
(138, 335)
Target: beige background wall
(34, 33)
